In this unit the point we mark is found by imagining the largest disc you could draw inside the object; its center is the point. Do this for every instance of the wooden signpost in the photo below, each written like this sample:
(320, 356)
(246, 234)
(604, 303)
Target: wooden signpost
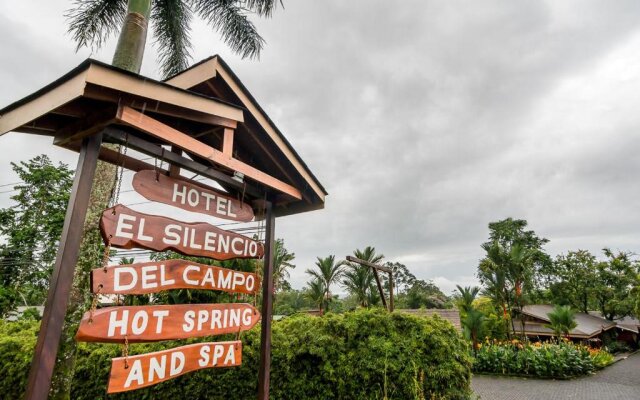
(135, 372)
(232, 142)
(165, 322)
(190, 196)
(154, 276)
(126, 228)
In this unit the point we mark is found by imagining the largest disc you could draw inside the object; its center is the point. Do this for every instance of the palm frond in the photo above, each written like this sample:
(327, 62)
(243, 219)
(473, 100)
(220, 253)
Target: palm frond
(171, 19)
(229, 18)
(92, 22)
(263, 8)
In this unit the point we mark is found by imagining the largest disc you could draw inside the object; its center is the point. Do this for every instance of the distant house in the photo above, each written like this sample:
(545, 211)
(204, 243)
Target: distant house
(591, 326)
(451, 315)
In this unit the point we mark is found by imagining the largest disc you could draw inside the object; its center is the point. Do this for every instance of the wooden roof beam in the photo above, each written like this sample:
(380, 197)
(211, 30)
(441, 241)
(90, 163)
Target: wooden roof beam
(153, 127)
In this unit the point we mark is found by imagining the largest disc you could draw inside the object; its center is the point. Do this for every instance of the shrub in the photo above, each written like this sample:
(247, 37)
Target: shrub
(544, 360)
(367, 354)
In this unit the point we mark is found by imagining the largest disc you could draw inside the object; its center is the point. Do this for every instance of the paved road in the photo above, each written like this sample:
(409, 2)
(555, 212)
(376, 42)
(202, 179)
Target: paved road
(620, 381)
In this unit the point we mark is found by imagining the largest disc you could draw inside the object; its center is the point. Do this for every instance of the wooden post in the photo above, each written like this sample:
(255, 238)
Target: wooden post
(384, 300)
(46, 350)
(390, 291)
(264, 372)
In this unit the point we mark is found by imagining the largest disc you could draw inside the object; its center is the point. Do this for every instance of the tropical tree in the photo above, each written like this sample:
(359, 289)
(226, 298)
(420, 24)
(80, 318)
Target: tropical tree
(358, 279)
(467, 296)
(92, 22)
(403, 279)
(562, 319)
(473, 324)
(282, 263)
(572, 280)
(514, 258)
(617, 276)
(31, 229)
(423, 294)
(316, 292)
(328, 271)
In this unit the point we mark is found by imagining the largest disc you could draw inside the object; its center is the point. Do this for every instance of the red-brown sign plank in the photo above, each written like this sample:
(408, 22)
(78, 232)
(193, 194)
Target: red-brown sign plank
(156, 276)
(151, 368)
(126, 228)
(190, 196)
(165, 322)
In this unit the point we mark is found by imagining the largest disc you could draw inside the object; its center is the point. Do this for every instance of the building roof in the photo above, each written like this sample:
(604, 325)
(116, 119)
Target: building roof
(587, 325)
(203, 102)
(451, 315)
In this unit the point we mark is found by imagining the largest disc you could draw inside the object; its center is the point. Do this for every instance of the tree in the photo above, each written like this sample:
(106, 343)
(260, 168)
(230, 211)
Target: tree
(92, 22)
(572, 279)
(514, 258)
(403, 279)
(316, 292)
(617, 276)
(281, 264)
(562, 320)
(31, 229)
(359, 280)
(467, 296)
(473, 324)
(424, 294)
(329, 272)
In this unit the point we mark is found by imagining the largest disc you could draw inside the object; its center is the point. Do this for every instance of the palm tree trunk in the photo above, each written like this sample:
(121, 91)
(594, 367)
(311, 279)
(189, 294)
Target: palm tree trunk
(133, 36)
(128, 55)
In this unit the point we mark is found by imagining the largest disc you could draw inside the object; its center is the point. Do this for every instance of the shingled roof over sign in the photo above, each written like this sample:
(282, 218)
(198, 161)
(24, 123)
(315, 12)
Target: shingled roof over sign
(202, 103)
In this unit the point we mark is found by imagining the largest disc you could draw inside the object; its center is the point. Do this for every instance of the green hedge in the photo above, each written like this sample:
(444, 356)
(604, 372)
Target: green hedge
(359, 355)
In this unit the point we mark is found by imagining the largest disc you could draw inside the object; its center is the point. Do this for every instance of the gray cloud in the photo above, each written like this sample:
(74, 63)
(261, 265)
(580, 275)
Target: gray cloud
(427, 120)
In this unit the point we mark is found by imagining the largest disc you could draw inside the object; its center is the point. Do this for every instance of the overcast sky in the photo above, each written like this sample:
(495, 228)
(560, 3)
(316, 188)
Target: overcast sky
(424, 120)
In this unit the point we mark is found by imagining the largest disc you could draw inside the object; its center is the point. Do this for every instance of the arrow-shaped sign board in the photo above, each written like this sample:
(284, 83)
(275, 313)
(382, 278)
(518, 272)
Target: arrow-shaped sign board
(123, 227)
(190, 196)
(165, 322)
(135, 372)
(156, 276)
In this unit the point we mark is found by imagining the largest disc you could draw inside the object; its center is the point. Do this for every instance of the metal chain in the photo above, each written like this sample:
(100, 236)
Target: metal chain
(118, 186)
(94, 304)
(125, 352)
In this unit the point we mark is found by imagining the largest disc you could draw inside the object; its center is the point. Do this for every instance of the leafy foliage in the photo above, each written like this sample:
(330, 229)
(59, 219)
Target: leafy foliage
(92, 22)
(358, 355)
(562, 320)
(32, 228)
(544, 360)
(328, 272)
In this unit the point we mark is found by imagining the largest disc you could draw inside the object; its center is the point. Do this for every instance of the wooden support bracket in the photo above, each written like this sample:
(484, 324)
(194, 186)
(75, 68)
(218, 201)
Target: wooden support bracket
(149, 125)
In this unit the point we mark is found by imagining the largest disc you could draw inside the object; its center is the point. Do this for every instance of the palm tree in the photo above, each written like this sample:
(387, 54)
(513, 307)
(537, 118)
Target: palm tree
(359, 280)
(473, 324)
(562, 319)
(92, 22)
(329, 272)
(281, 264)
(467, 296)
(316, 292)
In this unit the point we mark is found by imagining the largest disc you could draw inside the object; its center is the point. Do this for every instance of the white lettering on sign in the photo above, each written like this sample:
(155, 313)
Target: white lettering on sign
(194, 198)
(157, 369)
(196, 321)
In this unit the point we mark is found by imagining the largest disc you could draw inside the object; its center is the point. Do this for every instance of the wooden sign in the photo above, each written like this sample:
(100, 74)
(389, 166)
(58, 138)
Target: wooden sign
(127, 228)
(190, 196)
(151, 368)
(153, 277)
(165, 322)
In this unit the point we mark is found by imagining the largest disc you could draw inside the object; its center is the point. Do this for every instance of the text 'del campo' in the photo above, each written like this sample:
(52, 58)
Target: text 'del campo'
(190, 196)
(135, 372)
(153, 277)
(126, 228)
(166, 322)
